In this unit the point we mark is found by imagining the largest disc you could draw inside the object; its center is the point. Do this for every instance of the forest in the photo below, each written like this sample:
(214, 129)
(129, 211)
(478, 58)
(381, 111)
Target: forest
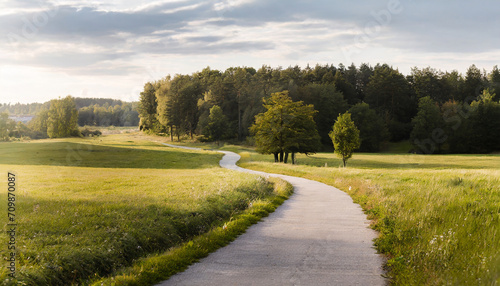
(91, 111)
(439, 112)
(87, 112)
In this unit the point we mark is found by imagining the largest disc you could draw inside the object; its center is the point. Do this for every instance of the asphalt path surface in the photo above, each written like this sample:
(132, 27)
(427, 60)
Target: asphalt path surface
(317, 237)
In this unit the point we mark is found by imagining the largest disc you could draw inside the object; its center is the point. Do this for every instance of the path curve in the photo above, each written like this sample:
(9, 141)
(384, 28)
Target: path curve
(317, 237)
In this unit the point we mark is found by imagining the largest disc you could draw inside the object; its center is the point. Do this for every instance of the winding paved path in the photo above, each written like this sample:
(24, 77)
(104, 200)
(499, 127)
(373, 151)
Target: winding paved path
(317, 237)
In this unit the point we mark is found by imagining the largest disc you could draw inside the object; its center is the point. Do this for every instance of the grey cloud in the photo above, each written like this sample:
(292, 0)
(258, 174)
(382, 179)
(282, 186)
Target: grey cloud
(426, 26)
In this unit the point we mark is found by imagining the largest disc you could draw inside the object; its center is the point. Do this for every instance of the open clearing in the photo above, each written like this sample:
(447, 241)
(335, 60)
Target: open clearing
(89, 207)
(85, 205)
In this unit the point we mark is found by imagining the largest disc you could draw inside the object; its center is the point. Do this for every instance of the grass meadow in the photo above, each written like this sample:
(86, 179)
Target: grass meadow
(90, 208)
(438, 216)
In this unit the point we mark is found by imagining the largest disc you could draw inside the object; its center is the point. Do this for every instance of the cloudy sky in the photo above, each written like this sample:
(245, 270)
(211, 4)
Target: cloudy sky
(85, 48)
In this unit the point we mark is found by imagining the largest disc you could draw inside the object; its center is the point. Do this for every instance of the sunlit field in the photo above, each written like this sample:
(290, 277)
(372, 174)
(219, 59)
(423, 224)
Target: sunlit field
(438, 216)
(86, 208)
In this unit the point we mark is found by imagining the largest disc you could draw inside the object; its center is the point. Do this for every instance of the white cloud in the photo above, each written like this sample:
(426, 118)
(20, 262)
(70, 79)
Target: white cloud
(88, 41)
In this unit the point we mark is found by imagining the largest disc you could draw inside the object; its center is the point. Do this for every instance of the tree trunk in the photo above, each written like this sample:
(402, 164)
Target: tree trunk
(293, 158)
(276, 159)
(281, 157)
(286, 158)
(344, 161)
(171, 133)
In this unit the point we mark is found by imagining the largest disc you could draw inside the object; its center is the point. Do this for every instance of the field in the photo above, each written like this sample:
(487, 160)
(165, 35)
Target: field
(88, 208)
(438, 216)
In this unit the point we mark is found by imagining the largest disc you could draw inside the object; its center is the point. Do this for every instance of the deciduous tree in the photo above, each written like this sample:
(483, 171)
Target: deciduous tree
(6, 126)
(286, 127)
(147, 107)
(62, 118)
(345, 137)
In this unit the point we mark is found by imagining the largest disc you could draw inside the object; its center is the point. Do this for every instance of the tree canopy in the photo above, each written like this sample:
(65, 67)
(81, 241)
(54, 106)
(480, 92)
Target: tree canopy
(427, 134)
(286, 127)
(216, 125)
(183, 102)
(345, 137)
(372, 128)
(62, 119)
(6, 126)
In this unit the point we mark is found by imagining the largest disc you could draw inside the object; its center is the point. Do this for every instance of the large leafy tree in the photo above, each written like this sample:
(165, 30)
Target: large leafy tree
(62, 118)
(345, 137)
(286, 127)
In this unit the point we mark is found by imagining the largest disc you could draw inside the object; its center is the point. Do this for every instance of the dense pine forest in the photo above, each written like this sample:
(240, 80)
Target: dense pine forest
(439, 112)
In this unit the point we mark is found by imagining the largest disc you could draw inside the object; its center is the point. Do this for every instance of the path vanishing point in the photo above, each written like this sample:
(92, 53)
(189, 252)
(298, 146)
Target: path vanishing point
(317, 237)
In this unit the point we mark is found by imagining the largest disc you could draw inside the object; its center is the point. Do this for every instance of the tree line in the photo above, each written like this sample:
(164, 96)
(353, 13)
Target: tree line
(61, 117)
(384, 104)
(91, 111)
(23, 109)
(59, 120)
(124, 114)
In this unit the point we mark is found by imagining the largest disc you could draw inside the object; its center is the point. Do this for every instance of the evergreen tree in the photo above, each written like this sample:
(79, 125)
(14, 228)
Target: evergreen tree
(484, 124)
(372, 128)
(428, 134)
(216, 125)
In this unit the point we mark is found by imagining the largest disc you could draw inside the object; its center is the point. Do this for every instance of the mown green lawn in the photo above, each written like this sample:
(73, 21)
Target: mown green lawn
(438, 216)
(86, 208)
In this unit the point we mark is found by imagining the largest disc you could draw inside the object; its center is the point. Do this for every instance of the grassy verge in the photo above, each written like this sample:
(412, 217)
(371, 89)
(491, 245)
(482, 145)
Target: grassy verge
(156, 268)
(438, 216)
(87, 208)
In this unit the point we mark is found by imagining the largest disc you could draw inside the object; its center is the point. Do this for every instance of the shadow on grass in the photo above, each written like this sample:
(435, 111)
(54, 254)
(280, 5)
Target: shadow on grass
(96, 156)
(78, 240)
(393, 161)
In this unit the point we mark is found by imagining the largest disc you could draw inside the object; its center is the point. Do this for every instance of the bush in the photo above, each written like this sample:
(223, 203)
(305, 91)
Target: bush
(89, 133)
